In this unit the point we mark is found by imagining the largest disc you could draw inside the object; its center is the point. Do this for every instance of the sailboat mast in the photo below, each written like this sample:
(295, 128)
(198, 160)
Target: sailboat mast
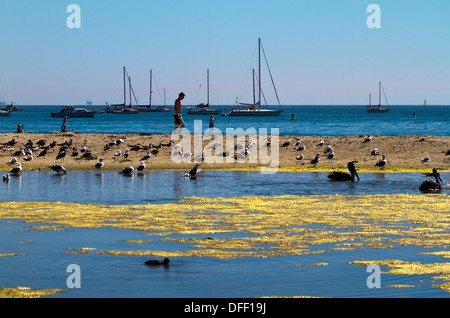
(259, 71)
(379, 94)
(129, 84)
(207, 81)
(124, 88)
(254, 101)
(150, 98)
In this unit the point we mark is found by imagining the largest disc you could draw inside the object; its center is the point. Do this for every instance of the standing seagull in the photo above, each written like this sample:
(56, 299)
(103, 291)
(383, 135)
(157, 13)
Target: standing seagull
(368, 138)
(99, 165)
(430, 185)
(315, 160)
(61, 155)
(147, 156)
(382, 162)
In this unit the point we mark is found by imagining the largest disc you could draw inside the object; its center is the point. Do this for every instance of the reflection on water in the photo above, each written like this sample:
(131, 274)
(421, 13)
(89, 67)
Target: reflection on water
(165, 186)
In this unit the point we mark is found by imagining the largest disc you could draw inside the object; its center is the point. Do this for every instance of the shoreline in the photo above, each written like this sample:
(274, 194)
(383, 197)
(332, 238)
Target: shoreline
(403, 153)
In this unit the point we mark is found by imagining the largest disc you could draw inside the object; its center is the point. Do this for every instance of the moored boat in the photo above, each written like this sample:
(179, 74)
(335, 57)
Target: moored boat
(378, 108)
(70, 111)
(204, 109)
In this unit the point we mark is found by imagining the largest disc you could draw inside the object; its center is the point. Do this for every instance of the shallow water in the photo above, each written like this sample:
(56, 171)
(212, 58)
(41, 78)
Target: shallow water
(110, 187)
(45, 262)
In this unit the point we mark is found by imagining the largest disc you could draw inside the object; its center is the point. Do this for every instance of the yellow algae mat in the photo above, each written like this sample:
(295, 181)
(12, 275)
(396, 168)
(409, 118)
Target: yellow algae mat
(256, 226)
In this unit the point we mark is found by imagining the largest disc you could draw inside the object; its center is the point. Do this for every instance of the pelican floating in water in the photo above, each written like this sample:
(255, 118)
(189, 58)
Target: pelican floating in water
(99, 165)
(343, 176)
(382, 162)
(430, 185)
(194, 172)
(58, 168)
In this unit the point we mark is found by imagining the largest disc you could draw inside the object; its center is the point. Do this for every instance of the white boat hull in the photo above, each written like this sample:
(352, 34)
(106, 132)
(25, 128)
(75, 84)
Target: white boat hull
(254, 112)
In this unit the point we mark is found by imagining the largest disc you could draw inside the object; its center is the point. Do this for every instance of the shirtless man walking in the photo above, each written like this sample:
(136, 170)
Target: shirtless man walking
(178, 120)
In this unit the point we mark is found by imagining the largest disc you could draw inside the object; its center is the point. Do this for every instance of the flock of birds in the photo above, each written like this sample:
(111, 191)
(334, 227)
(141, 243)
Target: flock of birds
(425, 186)
(43, 149)
(242, 150)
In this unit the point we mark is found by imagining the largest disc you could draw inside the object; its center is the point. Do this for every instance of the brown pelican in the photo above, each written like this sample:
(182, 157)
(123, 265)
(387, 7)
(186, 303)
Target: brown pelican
(430, 185)
(343, 176)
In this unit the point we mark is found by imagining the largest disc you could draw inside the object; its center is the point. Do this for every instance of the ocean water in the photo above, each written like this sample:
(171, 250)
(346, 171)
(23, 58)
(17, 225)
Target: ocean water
(310, 120)
(44, 263)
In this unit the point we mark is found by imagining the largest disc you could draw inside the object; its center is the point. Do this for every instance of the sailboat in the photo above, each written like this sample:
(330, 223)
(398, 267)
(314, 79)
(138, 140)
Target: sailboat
(122, 108)
(149, 107)
(203, 109)
(378, 108)
(254, 109)
(424, 102)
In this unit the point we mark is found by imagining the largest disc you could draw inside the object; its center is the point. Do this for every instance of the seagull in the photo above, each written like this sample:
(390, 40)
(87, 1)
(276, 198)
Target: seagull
(118, 153)
(147, 156)
(6, 177)
(41, 142)
(315, 160)
(320, 143)
(99, 165)
(20, 152)
(200, 158)
(42, 153)
(13, 160)
(328, 149)
(299, 157)
(61, 155)
(368, 138)
(330, 155)
(83, 148)
(17, 169)
(126, 154)
(426, 159)
(375, 152)
(127, 170)
(119, 141)
(286, 143)
(194, 172)
(382, 162)
(187, 154)
(141, 167)
(300, 148)
(239, 146)
(58, 169)
(28, 158)
(296, 143)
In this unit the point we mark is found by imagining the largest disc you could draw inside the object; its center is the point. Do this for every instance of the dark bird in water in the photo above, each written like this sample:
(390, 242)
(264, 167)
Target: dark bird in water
(194, 172)
(58, 169)
(99, 165)
(343, 176)
(430, 185)
(153, 262)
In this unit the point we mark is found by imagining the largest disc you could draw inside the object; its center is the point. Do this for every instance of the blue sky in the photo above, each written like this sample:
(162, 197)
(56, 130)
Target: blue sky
(319, 52)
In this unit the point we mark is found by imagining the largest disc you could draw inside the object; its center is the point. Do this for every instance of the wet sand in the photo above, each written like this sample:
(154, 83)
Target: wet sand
(403, 153)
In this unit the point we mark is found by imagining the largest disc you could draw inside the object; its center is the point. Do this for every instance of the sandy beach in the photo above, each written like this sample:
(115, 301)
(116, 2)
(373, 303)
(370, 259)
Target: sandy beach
(403, 153)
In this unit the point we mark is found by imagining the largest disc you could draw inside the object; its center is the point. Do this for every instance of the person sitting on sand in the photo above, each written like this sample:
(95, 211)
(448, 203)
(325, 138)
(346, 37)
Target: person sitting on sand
(19, 128)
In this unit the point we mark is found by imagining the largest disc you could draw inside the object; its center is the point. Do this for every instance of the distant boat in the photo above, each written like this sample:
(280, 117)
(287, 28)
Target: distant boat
(425, 102)
(89, 102)
(203, 109)
(10, 107)
(122, 108)
(4, 113)
(378, 108)
(254, 109)
(70, 111)
(149, 107)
